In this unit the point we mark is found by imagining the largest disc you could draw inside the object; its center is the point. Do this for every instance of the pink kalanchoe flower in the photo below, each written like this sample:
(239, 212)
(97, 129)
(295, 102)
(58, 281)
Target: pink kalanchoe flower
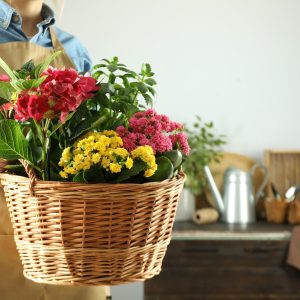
(157, 131)
(161, 143)
(179, 140)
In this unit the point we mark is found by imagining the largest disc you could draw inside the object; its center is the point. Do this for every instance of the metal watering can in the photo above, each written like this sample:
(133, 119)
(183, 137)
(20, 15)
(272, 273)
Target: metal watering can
(239, 200)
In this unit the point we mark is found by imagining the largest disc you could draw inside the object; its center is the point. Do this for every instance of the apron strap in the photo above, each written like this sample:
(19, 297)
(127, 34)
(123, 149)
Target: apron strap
(55, 41)
(57, 45)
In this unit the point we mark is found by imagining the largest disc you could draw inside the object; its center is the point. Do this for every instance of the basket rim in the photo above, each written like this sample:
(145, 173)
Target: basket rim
(180, 176)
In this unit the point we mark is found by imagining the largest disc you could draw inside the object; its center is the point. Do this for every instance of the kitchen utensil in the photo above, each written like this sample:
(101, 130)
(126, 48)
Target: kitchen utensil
(275, 192)
(238, 204)
(291, 193)
(284, 169)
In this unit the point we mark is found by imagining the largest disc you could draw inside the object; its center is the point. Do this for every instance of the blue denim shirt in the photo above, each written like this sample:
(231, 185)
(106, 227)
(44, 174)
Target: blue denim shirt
(11, 31)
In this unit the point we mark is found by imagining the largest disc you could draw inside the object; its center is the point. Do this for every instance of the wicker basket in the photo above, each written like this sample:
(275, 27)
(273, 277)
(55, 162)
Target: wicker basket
(91, 234)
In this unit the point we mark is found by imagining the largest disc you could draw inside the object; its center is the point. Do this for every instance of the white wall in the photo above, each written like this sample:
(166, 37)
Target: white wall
(236, 62)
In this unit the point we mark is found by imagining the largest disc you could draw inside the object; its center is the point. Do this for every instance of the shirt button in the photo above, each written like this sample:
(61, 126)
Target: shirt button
(16, 18)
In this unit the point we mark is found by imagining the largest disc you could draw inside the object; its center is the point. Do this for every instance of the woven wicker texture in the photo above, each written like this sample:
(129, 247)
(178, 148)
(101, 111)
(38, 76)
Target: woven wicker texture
(91, 234)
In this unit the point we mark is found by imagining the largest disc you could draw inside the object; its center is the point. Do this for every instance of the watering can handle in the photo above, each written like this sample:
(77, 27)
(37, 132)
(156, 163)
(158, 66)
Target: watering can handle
(265, 180)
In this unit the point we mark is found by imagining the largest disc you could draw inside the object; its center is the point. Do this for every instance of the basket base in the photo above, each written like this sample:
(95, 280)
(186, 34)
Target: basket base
(91, 267)
(94, 282)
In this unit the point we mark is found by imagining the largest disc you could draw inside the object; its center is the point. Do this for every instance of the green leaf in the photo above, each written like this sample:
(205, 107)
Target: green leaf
(3, 101)
(124, 69)
(13, 144)
(107, 88)
(24, 84)
(148, 99)
(93, 122)
(39, 69)
(97, 74)
(28, 66)
(14, 167)
(7, 69)
(150, 81)
(112, 78)
(102, 99)
(6, 90)
(151, 90)
(115, 60)
(125, 174)
(54, 176)
(175, 157)
(112, 68)
(142, 87)
(164, 170)
(94, 175)
(99, 66)
(146, 70)
(132, 109)
(79, 178)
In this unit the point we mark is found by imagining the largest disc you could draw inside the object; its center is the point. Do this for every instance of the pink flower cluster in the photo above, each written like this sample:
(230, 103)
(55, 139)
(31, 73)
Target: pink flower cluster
(157, 131)
(61, 92)
(4, 77)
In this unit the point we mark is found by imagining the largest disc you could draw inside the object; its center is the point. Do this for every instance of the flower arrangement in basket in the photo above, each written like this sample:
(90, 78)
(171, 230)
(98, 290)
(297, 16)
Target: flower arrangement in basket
(92, 174)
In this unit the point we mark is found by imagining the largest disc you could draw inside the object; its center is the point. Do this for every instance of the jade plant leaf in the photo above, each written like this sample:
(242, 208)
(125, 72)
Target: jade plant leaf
(13, 144)
(125, 174)
(175, 157)
(164, 170)
(94, 175)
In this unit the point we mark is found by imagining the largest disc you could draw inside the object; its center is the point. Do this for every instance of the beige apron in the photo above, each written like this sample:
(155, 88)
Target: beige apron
(13, 285)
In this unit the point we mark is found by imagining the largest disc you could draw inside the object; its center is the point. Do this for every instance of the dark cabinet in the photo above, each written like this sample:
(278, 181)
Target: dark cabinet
(225, 269)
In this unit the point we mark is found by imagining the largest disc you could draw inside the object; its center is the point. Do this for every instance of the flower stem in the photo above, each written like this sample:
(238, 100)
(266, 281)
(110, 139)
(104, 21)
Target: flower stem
(44, 156)
(42, 129)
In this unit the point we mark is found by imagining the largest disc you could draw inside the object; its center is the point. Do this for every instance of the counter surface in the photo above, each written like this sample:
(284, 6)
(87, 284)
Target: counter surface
(220, 231)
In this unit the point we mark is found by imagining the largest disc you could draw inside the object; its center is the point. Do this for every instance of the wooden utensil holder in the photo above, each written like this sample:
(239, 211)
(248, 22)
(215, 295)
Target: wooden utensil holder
(276, 211)
(294, 212)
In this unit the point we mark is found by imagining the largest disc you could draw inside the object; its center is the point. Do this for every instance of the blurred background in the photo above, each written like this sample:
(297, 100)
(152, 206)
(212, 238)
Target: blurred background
(233, 62)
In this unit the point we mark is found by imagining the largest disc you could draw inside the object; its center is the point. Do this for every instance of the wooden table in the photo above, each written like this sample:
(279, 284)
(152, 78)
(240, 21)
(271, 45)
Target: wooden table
(221, 261)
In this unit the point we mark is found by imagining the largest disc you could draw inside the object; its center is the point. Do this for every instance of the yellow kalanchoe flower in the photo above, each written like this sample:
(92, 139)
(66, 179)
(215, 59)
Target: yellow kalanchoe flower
(129, 163)
(66, 157)
(103, 148)
(146, 154)
(115, 168)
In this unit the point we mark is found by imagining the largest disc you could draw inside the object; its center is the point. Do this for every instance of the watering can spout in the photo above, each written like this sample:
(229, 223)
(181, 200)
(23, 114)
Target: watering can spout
(214, 190)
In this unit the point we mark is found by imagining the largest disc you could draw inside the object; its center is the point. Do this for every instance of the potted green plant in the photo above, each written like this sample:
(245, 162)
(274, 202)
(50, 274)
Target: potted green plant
(206, 147)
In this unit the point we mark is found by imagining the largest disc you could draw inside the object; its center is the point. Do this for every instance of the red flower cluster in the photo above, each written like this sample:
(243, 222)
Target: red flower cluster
(157, 131)
(61, 92)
